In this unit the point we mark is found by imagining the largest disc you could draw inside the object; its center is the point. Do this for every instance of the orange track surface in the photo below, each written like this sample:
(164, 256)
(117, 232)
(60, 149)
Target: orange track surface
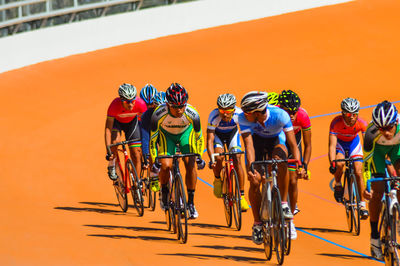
(57, 204)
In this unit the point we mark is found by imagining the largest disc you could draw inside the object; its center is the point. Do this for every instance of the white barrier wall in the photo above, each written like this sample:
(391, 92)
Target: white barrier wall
(60, 41)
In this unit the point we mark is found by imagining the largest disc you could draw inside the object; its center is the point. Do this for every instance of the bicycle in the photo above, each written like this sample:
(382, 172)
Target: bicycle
(351, 199)
(275, 229)
(148, 195)
(177, 211)
(127, 180)
(231, 190)
(389, 218)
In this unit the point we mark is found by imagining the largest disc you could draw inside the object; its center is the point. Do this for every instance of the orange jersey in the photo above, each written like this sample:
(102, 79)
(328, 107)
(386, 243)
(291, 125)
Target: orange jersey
(344, 132)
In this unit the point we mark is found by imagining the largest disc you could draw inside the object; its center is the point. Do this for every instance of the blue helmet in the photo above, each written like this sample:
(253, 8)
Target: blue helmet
(160, 98)
(148, 93)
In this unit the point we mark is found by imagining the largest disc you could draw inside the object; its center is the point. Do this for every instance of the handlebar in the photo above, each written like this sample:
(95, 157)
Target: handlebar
(116, 144)
(178, 156)
(380, 178)
(273, 162)
(348, 160)
(224, 153)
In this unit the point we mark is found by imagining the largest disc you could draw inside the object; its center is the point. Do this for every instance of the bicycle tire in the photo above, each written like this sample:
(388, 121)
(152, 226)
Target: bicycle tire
(278, 225)
(120, 189)
(146, 187)
(355, 205)
(236, 207)
(347, 201)
(393, 254)
(268, 244)
(181, 214)
(136, 190)
(226, 196)
(288, 240)
(384, 234)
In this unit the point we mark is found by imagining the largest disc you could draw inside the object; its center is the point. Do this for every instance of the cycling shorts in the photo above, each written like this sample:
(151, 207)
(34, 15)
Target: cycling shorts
(232, 139)
(167, 142)
(131, 130)
(298, 141)
(379, 158)
(353, 147)
(265, 146)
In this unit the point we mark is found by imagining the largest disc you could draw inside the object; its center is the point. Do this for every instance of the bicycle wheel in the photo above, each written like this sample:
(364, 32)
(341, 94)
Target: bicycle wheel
(181, 211)
(146, 187)
(267, 239)
(226, 188)
(347, 202)
(384, 233)
(237, 210)
(288, 240)
(136, 189)
(355, 205)
(278, 225)
(393, 246)
(120, 189)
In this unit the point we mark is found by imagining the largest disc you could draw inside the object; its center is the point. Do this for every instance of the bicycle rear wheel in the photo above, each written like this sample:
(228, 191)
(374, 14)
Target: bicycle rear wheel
(278, 225)
(120, 190)
(268, 244)
(136, 189)
(288, 240)
(236, 207)
(355, 205)
(146, 187)
(347, 201)
(226, 191)
(181, 211)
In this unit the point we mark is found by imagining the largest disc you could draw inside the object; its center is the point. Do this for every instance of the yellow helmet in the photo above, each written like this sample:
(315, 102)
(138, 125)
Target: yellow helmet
(273, 98)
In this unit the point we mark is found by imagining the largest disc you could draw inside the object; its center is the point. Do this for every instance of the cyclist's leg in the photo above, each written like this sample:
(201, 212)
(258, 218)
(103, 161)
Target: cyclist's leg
(218, 147)
(115, 137)
(293, 189)
(341, 148)
(133, 135)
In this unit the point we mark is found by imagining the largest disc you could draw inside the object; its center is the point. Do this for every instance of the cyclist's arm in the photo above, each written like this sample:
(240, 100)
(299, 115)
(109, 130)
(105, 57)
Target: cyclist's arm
(195, 117)
(291, 140)
(332, 147)
(371, 136)
(154, 131)
(248, 145)
(307, 145)
(210, 142)
(108, 130)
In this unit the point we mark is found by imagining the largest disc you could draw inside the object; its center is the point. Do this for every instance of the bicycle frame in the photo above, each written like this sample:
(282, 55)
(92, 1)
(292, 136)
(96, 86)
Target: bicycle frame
(125, 178)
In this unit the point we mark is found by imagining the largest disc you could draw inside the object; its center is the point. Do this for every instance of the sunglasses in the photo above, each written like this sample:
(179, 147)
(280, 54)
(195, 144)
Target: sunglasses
(227, 111)
(387, 128)
(350, 114)
(128, 101)
(291, 112)
(178, 106)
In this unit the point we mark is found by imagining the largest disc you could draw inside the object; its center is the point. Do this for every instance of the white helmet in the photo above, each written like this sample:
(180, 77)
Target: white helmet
(254, 101)
(384, 114)
(350, 105)
(226, 100)
(127, 91)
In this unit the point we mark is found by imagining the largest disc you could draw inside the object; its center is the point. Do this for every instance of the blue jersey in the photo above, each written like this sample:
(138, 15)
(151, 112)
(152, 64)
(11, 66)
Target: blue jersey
(145, 130)
(216, 123)
(276, 123)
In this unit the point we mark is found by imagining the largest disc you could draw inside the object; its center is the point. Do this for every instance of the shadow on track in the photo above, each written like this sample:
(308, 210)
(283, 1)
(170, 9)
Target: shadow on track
(99, 204)
(146, 238)
(97, 210)
(325, 230)
(246, 249)
(222, 235)
(346, 256)
(133, 228)
(224, 257)
(210, 226)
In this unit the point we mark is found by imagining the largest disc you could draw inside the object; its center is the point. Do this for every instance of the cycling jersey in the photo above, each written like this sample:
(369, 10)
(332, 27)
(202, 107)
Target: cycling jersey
(216, 123)
(302, 121)
(276, 123)
(145, 129)
(344, 132)
(377, 147)
(168, 131)
(118, 112)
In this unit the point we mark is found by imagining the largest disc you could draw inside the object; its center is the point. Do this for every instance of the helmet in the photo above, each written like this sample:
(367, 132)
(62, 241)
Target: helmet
(127, 91)
(159, 98)
(254, 101)
(273, 98)
(289, 100)
(350, 105)
(147, 93)
(384, 114)
(226, 100)
(176, 94)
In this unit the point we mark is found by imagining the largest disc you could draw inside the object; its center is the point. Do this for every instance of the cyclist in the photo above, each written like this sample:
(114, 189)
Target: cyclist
(123, 115)
(382, 139)
(273, 98)
(176, 122)
(264, 130)
(152, 99)
(222, 127)
(290, 102)
(343, 137)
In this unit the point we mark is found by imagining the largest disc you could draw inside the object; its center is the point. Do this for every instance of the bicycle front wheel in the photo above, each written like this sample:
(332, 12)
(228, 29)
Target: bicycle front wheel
(226, 191)
(393, 246)
(237, 210)
(347, 201)
(181, 211)
(288, 240)
(136, 189)
(120, 190)
(268, 244)
(355, 206)
(278, 225)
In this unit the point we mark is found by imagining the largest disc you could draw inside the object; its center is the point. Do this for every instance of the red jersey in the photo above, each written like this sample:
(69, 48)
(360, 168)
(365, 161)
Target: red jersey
(344, 132)
(117, 111)
(302, 121)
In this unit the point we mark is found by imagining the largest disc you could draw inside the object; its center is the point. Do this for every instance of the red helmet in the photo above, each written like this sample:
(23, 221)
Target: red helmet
(176, 94)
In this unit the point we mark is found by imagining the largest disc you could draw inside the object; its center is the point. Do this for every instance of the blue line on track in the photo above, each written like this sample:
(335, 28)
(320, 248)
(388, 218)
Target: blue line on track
(333, 243)
(205, 182)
